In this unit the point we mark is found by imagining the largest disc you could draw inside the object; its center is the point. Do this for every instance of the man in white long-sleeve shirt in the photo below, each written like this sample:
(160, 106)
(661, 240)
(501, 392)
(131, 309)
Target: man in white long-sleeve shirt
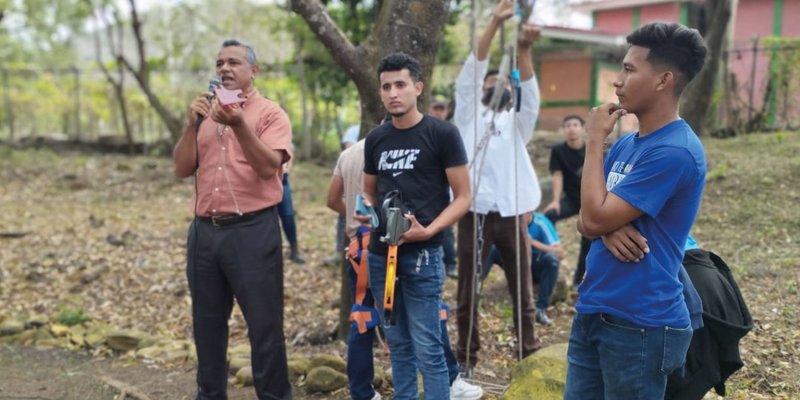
(498, 203)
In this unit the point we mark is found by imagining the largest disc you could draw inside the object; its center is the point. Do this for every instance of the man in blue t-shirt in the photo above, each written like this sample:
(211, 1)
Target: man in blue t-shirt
(632, 328)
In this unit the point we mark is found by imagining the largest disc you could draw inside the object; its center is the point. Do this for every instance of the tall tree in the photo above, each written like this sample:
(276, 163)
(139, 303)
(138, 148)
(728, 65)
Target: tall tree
(412, 26)
(699, 94)
(114, 39)
(141, 70)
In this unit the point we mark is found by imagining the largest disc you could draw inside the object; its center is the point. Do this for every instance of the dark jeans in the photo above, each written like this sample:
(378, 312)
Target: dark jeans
(286, 212)
(244, 261)
(498, 231)
(360, 364)
(544, 271)
(570, 207)
(612, 358)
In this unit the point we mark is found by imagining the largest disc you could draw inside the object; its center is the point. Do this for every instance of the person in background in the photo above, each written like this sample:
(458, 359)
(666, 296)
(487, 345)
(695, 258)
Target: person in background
(566, 168)
(546, 255)
(287, 213)
(501, 207)
(349, 139)
(440, 107)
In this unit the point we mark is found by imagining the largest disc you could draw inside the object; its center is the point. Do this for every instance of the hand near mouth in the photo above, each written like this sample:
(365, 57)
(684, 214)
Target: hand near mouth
(602, 119)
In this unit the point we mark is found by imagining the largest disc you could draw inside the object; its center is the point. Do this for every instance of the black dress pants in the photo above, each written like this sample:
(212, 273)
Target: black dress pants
(244, 261)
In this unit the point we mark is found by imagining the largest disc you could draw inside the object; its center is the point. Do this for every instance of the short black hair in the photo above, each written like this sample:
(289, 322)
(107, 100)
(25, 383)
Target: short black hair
(398, 62)
(573, 116)
(672, 45)
(490, 73)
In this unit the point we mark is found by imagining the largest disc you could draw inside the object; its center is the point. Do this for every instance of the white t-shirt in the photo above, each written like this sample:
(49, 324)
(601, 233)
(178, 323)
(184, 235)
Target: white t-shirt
(495, 191)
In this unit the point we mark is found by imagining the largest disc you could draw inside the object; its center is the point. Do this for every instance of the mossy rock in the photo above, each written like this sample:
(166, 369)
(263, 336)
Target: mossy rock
(245, 376)
(325, 379)
(238, 362)
(329, 360)
(124, 340)
(59, 330)
(36, 321)
(11, 327)
(242, 349)
(172, 356)
(150, 352)
(541, 376)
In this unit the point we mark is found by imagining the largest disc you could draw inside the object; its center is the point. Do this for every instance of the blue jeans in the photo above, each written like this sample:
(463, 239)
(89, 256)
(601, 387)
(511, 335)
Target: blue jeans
(612, 358)
(544, 271)
(415, 340)
(286, 212)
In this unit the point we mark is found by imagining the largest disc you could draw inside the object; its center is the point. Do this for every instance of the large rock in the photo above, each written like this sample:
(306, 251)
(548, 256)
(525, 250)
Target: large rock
(11, 327)
(238, 362)
(245, 376)
(124, 340)
(242, 349)
(325, 379)
(329, 360)
(298, 366)
(59, 330)
(540, 376)
(36, 321)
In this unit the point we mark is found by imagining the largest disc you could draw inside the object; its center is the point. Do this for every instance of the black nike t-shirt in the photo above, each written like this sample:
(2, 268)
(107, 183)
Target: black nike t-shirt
(413, 161)
(570, 162)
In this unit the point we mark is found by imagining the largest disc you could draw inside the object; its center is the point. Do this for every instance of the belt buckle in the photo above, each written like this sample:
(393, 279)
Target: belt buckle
(214, 219)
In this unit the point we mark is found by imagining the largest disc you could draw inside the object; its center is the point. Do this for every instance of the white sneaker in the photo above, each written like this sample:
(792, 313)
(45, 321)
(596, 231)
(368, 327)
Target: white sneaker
(462, 390)
(377, 396)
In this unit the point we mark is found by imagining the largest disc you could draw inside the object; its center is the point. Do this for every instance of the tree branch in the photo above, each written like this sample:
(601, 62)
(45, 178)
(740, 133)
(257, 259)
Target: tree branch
(136, 25)
(326, 30)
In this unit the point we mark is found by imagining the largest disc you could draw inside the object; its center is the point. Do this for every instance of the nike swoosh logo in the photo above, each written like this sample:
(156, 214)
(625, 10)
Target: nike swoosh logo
(397, 173)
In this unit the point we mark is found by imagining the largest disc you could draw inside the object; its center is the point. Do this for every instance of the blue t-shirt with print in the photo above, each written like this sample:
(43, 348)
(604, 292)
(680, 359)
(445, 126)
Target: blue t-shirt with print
(663, 175)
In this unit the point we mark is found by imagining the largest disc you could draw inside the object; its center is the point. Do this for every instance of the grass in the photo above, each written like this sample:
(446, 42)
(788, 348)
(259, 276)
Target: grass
(72, 202)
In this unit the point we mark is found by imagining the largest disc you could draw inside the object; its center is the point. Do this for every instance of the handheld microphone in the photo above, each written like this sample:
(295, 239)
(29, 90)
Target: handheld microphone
(212, 86)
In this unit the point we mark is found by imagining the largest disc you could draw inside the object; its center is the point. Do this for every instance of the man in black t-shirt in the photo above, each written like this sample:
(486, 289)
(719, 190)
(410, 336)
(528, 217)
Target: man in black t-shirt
(566, 166)
(422, 158)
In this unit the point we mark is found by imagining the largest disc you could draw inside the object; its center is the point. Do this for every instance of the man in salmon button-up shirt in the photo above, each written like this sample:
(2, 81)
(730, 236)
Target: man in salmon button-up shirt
(234, 245)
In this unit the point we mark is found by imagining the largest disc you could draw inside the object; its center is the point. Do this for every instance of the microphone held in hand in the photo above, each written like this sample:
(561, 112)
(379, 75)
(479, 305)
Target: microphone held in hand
(213, 84)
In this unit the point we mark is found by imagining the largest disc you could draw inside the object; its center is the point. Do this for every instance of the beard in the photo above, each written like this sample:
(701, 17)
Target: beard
(505, 98)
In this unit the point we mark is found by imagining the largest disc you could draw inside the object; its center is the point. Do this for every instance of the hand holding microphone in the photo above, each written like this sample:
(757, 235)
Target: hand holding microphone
(201, 106)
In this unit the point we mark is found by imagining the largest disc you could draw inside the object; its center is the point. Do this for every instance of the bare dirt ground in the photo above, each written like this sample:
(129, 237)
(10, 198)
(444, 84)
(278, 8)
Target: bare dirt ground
(105, 234)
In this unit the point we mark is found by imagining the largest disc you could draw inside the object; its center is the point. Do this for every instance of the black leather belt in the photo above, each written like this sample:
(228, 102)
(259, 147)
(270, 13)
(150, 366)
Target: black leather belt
(230, 219)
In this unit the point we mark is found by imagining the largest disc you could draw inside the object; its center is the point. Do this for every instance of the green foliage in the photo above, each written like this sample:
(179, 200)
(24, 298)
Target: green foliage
(719, 172)
(72, 316)
(784, 79)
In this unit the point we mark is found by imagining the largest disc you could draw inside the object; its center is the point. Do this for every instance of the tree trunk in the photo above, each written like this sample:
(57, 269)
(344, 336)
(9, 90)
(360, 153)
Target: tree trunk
(697, 97)
(411, 26)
